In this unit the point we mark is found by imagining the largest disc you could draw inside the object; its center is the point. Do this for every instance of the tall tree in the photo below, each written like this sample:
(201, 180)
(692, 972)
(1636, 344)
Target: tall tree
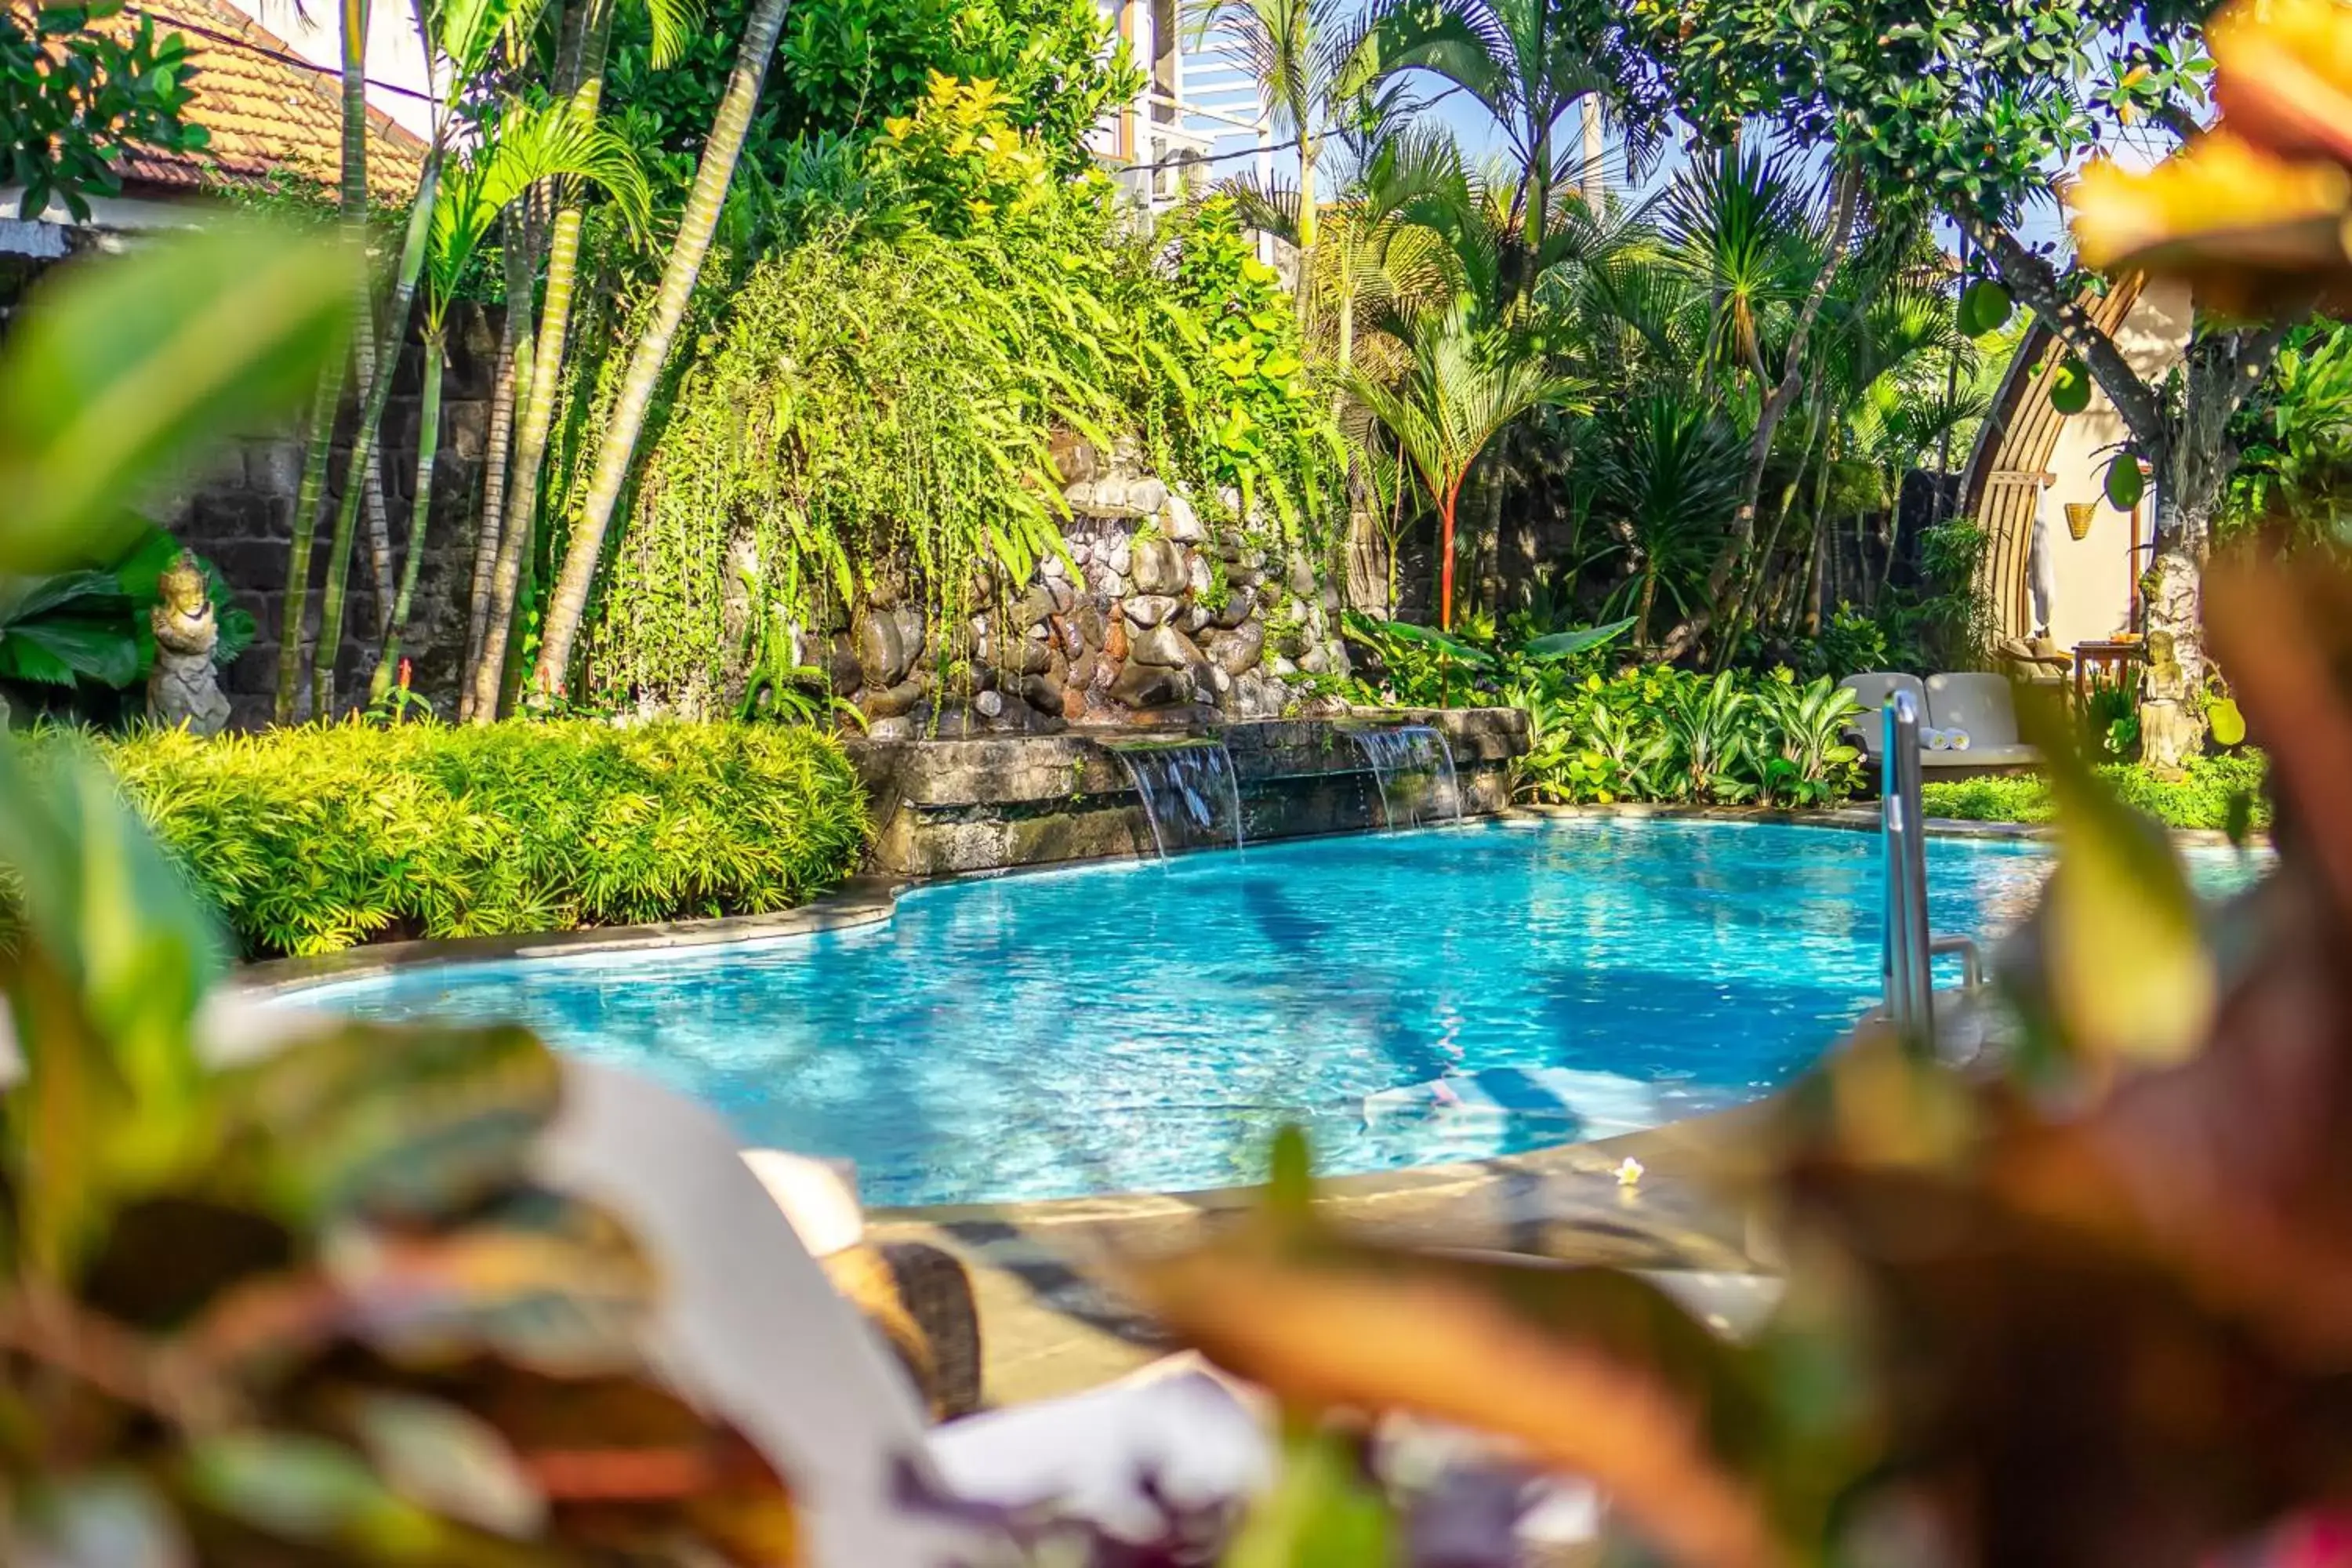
(1973, 105)
(1463, 384)
(520, 148)
(569, 602)
(1311, 60)
(1526, 63)
(580, 82)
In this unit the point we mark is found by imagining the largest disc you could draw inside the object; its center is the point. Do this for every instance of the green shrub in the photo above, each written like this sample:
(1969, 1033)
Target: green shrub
(1657, 733)
(2221, 794)
(311, 840)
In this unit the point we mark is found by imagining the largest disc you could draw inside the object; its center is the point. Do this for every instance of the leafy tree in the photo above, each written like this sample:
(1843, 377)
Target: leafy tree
(687, 248)
(1974, 105)
(71, 95)
(1464, 385)
(1526, 63)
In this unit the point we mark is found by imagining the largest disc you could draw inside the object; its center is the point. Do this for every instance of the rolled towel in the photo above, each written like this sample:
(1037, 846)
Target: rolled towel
(1936, 739)
(1956, 740)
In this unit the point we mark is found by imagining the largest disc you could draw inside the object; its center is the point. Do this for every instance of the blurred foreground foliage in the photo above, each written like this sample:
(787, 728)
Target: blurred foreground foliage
(307, 1305)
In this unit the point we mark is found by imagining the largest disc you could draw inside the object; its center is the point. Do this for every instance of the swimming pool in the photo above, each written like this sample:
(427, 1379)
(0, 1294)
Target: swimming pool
(1146, 1026)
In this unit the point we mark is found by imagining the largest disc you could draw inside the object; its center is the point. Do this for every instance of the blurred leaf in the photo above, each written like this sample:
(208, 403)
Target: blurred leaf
(117, 918)
(291, 1485)
(57, 1120)
(552, 1284)
(2129, 977)
(1591, 1372)
(448, 1460)
(120, 370)
(111, 1519)
(398, 1123)
(1320, 1513)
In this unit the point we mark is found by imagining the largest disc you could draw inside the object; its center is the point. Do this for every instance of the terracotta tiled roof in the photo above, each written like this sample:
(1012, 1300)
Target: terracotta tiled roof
(267, 110)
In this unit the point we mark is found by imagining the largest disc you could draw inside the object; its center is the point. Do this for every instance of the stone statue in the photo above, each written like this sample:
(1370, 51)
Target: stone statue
(2168, 735)
(184, 689)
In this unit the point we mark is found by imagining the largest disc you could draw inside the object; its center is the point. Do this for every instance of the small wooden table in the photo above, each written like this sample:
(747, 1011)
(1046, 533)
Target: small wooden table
(2109, 660)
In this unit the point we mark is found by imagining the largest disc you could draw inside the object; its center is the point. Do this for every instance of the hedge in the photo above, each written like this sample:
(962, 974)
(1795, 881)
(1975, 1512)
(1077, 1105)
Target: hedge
(310, 840)
(2202, 799)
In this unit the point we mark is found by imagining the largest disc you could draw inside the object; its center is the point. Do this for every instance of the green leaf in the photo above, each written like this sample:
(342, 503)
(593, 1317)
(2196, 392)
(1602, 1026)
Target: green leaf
(1319, 1513)
(121, 369)
(288, 1485)
(110, 1519)
(1445, 642)
(1562, 645)
(99, 899)
(450, 1462)
(411, 1124)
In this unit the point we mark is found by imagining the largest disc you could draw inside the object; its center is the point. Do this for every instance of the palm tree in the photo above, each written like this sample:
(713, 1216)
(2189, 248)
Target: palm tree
(569, 603)
(1463, 384)
(1525, 62)
(580, 81)
(1311, 60)
(522, 147)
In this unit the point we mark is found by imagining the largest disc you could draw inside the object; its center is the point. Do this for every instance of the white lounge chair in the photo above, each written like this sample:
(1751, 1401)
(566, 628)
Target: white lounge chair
(1984, 708)
(1872, 689)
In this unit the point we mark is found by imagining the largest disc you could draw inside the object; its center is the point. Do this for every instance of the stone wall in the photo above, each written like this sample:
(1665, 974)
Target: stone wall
(1159, 617)
(240, 514)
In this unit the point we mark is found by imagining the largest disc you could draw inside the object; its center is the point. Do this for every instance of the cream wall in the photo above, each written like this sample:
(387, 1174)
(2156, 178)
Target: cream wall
(2093, 574)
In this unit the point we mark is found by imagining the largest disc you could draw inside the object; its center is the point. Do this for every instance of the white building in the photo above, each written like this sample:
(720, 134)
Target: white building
(1197, 118)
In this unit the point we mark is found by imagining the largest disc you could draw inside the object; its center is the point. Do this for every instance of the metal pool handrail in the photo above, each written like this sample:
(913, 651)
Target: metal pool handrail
(1911, 949)
(1908, 978)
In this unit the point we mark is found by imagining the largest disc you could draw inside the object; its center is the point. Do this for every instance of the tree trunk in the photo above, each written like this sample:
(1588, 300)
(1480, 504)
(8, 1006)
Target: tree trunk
(318, 448)
(569, 602)
(1310, 230)
(509, 382)
(1847, 186)
(420, 511)
(1445, 554)
(378, 393)
(1595, 182)
(539, 414)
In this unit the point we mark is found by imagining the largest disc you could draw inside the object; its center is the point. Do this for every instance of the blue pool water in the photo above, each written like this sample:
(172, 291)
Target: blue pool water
(1146, 1026)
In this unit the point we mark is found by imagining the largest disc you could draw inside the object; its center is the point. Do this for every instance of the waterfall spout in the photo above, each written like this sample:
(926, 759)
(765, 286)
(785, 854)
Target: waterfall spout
(1191, 795)
(1414, 766)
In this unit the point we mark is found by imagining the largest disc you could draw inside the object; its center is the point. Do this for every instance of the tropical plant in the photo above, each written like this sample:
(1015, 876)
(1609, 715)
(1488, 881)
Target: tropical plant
(1312, 61)
(537, 372)
(1813, 762)
(585, 549)
(2294, 442)
(312, 1301)
(1462, 386)
(1974, 109)
(520, 148)
(1525, 63)
(1667, 476)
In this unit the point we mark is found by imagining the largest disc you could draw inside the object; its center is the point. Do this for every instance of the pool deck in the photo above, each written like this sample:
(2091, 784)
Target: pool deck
(1049, 1328)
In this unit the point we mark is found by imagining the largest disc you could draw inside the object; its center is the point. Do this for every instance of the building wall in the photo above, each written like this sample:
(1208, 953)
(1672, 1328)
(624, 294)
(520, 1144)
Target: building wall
(240, 514)
(2095, 573)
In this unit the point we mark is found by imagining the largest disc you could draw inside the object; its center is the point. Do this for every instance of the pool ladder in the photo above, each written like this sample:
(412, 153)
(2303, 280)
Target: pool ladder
(1911, 949)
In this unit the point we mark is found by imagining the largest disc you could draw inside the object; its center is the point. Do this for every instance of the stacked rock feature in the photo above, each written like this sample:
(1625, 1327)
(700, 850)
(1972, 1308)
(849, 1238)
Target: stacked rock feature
(1156, 616)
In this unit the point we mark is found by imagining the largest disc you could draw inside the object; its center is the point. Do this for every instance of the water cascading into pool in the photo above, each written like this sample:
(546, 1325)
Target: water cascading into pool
(1191, 795)
(1414, 766)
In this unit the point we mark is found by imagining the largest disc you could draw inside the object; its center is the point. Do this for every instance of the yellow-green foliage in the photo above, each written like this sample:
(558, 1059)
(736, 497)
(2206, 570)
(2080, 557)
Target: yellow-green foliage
(314, 839)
